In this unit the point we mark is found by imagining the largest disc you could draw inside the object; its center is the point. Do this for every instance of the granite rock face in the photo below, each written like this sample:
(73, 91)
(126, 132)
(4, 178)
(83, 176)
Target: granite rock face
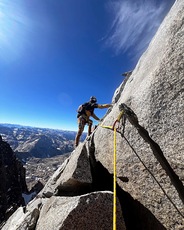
(155, 92)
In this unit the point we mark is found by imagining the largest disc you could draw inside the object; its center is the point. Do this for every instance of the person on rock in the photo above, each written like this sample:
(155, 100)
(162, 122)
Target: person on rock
(84, 112)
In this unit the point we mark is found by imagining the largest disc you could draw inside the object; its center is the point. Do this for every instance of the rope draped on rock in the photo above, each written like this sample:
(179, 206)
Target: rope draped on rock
(114, 166)
(127, 113)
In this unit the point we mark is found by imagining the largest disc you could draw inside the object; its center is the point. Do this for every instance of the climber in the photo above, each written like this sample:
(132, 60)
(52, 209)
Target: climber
(84, 112)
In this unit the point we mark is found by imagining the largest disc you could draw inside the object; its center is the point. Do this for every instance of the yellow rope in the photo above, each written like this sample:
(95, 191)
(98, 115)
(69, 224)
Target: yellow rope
(114, 169)
(120, 115)
(114, 178)
(107, 127)
(114, 192)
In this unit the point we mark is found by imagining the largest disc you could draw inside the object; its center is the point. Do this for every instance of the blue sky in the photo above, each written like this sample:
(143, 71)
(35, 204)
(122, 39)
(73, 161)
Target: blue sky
(54, 55)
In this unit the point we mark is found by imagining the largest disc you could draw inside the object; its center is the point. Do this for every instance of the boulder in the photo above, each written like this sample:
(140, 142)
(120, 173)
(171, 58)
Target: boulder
(73, 177)
(91, 211)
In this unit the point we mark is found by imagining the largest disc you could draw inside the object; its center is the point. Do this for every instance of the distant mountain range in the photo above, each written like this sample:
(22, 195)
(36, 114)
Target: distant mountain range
(28, 142)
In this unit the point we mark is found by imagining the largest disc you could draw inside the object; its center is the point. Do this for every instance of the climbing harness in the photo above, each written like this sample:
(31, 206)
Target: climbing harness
(125, 112)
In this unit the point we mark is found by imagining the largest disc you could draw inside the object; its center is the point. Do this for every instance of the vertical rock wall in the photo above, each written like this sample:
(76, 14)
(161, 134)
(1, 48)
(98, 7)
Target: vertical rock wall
(155, 91)
(12, 177)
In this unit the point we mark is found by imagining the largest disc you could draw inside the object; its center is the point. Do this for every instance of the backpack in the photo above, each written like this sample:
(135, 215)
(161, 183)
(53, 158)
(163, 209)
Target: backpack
(86, 106)
(81, 109)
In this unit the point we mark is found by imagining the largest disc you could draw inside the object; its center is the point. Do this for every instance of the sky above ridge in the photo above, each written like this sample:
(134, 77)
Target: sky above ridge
(54, 55)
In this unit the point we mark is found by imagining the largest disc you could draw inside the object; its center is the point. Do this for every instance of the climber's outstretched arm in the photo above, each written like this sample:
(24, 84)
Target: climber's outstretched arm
(104, 106)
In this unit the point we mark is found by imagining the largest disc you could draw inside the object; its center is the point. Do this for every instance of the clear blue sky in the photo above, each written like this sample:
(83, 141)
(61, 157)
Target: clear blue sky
(55, 54)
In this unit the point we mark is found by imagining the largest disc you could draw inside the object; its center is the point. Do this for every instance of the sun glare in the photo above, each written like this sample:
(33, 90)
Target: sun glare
(13, 27)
